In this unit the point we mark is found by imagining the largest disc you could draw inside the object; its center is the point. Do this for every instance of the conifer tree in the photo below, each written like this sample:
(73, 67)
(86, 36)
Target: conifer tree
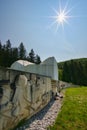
(37, 59)
(32, 56)
(22, 51)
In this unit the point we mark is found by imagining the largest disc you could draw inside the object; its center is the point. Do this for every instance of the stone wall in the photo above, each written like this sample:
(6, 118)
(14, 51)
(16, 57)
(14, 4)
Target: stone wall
(22, 95)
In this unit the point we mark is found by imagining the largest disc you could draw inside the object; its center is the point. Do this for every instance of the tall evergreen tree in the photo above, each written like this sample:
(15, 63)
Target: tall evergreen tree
(0, 45)
(72, 72)
(32, 56)
(14, 55)
(8, 53)
(66, 73)
(1, 54)
(22, 51)
(37, 59)
(8, 45)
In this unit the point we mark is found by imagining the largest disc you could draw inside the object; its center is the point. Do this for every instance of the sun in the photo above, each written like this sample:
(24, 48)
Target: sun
(61, 16)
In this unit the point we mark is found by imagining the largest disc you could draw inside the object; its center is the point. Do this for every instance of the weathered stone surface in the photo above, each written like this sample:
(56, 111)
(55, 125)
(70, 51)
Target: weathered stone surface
(22, 97)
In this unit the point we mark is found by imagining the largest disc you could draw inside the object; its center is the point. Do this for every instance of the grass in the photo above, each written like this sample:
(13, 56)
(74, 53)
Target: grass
(73, 115)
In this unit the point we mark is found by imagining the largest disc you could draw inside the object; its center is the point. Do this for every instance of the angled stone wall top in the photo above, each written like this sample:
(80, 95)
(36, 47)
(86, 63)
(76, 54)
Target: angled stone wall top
(47, 68)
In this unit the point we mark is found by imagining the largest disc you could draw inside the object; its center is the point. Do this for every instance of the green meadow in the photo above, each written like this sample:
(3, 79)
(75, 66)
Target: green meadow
(73, 114)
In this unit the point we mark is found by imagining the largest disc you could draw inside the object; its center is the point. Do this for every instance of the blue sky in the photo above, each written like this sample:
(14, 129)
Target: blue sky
(29, 21)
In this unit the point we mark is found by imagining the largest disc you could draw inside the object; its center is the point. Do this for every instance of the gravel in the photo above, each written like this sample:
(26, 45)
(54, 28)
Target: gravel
(43, 118)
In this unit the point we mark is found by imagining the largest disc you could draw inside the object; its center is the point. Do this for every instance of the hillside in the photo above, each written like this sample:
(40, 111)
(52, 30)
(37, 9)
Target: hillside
(81, 60)
(74, 71)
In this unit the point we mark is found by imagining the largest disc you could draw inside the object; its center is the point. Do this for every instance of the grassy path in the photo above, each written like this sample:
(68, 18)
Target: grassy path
(73, 115)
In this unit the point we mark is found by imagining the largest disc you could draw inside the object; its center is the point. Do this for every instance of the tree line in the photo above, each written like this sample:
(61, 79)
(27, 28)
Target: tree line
(74, 71)
(9, 54)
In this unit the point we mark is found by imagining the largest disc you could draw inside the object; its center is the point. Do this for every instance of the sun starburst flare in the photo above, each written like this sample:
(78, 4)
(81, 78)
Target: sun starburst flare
(62, 16)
